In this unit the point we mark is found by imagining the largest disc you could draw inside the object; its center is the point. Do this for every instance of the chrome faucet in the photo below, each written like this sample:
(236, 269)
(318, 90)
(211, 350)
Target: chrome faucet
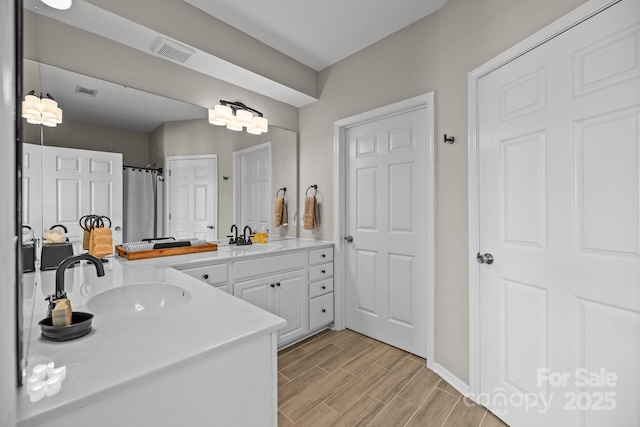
(62, 267)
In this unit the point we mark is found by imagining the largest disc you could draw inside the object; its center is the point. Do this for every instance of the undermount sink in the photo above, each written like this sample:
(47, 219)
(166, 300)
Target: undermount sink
(139, 300)
(257, 247)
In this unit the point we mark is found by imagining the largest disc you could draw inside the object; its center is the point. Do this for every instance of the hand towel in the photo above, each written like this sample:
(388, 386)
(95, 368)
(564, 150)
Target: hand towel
(281, 214)
(311, 213)
(101, 242)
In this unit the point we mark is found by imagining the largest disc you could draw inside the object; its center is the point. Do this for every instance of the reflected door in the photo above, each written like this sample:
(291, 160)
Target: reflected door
(252, 187)
(193, 197)
(559, 212)
(386, 290)
(81, 182)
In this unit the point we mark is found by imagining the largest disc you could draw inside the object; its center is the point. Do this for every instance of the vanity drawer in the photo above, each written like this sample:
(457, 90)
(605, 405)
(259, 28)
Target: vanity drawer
(321, 271)
(320, 288)
(211, 274)
(268, 265)
(317, 256)
(320, 311)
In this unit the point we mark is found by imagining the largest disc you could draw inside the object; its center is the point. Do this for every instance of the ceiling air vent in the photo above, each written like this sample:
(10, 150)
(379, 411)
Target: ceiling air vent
(86, 91)
(173, 51)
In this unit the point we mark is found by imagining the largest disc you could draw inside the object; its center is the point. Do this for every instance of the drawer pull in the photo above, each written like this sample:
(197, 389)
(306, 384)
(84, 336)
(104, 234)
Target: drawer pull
(205, 277)
(323, 255)
(324, 271)
(324, 287)
(324, 311)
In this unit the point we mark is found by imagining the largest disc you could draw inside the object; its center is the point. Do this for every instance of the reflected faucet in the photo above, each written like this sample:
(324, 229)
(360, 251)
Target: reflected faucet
(62, 267)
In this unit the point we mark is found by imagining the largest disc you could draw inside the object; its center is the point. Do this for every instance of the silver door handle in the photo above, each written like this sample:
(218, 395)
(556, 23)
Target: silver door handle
(348, 239)
(484, 259)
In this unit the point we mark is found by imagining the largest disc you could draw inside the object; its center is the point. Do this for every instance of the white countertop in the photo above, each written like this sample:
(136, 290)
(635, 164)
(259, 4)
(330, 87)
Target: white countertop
(119, 351)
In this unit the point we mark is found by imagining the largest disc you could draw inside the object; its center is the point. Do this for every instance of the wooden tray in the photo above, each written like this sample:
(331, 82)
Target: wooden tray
(155, 253)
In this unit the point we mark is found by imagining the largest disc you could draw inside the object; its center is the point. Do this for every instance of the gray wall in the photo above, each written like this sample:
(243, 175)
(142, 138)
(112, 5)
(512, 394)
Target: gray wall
(8, 215)
(434, 54)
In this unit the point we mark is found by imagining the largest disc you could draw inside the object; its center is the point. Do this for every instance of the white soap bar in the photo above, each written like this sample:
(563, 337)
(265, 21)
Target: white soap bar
(36, 392)
(33, 381)
(40, 371)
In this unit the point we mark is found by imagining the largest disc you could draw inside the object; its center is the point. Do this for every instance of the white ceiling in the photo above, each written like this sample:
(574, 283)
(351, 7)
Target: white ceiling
(319, 33)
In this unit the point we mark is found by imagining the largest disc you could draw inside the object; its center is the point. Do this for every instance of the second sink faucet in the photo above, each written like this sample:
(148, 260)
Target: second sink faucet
(245, 239)
(233, 239)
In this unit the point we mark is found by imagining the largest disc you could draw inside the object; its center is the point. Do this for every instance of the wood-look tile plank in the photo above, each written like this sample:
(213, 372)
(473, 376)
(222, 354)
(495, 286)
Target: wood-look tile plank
(336, 361)
(293, 388)
(364, 360)
(359, 414)
(491, 420)
(352, 392)
(284, 421)
(420, 386)
(445, 386)
(418, 359)
(391, 358)
(282, 380)
(465, 414)
(391, 385)
(322, 341)
(320, 416)
(313, 396)
(396, 413)
(346, 338)
(299, 367)
(434, 410)
(290, 357)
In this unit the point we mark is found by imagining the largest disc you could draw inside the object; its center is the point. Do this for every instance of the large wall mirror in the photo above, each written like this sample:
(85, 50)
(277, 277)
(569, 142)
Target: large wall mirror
(146, 129)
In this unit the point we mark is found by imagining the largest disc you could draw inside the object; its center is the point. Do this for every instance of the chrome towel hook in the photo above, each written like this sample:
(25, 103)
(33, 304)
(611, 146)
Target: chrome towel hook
(284, 191)
(449, 140)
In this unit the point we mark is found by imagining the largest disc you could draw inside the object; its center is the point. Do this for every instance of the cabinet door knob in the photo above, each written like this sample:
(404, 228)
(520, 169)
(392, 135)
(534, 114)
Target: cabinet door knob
(206, 276)
(273, 285)
(324, 287)
(323, 271)
(278, 284)
(324, 311)
(323, 255)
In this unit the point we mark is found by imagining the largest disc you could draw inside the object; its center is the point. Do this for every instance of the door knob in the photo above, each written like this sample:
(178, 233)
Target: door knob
(348, 239)
(210, 227)
(484, 259)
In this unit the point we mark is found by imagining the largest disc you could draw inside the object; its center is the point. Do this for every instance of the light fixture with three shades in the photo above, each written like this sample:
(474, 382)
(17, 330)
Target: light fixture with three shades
(236, 116)
(41, 110)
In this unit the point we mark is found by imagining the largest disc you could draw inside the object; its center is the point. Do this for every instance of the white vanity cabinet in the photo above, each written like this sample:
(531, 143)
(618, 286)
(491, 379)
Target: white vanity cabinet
(216, 275)
(281, 294)
(320, 287)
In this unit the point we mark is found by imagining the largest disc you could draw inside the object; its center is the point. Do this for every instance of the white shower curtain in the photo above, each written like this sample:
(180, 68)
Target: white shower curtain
(140, 203)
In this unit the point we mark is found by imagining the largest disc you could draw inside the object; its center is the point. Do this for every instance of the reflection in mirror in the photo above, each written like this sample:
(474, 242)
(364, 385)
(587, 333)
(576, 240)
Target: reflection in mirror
(146, 128)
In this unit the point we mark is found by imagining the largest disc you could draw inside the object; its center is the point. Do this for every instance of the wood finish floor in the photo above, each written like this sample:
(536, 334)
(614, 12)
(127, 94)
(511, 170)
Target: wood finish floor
(347, 379)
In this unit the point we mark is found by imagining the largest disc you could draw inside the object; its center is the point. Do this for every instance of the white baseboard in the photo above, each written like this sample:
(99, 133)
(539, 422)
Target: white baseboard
(446, 375)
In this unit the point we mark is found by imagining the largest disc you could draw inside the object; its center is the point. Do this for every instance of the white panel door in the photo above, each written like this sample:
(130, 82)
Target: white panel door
(78, 183)
(386, 294)
(253, 189)
(559, 211)
(193, 201)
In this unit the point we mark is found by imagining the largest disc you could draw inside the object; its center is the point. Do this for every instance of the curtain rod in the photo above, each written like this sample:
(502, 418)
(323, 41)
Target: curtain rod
(159, 170)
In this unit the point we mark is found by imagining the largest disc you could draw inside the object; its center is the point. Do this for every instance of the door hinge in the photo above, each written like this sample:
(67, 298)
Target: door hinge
(169, 172)
(169, 217)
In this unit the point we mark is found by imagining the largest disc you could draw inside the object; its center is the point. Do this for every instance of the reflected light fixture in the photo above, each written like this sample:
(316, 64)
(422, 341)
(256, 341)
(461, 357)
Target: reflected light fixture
(58, 4)
(39, 110)
(236, 116)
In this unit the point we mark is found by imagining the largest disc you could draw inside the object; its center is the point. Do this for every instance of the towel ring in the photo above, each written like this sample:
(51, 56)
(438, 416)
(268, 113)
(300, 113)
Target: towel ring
(315, 188)
(284, 191)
